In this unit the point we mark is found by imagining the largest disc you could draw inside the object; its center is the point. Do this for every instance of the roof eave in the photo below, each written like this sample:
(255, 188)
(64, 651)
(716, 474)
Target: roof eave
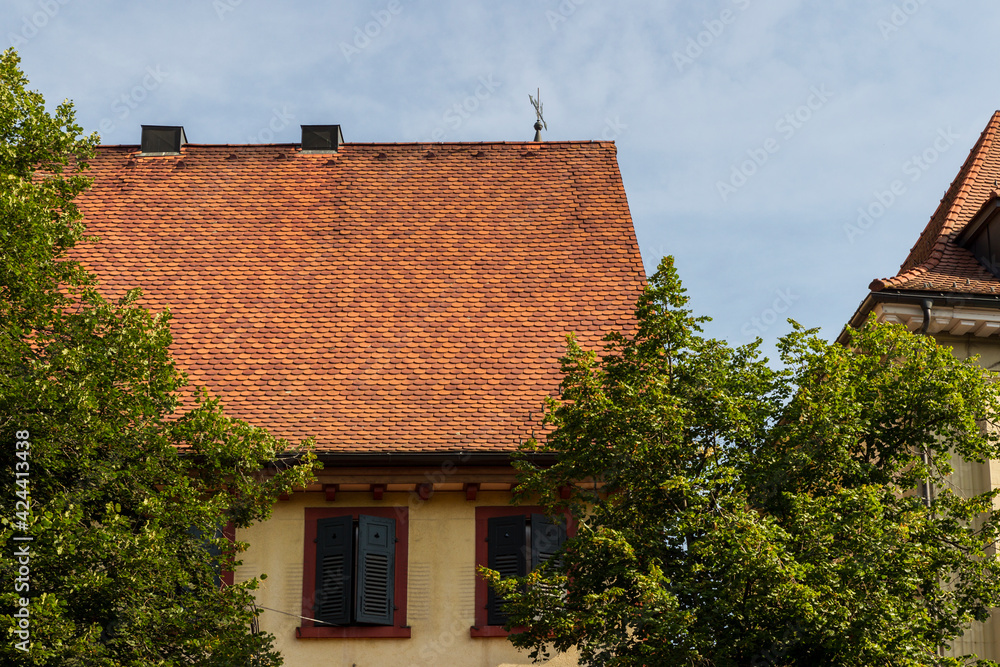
(949, 299)
(426, 459)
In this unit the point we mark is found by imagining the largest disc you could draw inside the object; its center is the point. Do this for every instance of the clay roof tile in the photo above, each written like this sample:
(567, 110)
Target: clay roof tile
(936, 262)
(377, 299)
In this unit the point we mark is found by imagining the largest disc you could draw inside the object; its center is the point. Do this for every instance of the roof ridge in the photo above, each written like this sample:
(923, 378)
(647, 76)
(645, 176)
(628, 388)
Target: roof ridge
(373, 144)
(922, 258)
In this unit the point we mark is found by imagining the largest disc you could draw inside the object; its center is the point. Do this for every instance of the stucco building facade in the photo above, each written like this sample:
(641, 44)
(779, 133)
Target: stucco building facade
(406, 306)
(948, 287)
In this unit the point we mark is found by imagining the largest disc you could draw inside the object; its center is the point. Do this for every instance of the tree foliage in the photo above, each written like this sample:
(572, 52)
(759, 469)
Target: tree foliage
(731, 514)
(126, 491)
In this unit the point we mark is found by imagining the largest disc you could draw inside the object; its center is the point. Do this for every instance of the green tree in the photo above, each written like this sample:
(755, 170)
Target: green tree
(121, 491)
(731, 514)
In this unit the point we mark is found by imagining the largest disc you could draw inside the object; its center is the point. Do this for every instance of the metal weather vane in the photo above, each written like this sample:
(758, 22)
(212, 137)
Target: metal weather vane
(540, 122)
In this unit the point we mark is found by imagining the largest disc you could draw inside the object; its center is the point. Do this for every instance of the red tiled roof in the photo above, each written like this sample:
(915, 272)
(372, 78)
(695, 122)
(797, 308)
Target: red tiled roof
(392, 297)
(936, 262)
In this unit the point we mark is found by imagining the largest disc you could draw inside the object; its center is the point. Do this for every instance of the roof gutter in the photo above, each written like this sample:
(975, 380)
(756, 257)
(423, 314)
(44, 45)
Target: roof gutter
(427, 459)
(925, 300)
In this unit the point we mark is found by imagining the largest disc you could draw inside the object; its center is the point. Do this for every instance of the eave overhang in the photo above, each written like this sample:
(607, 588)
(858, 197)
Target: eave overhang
(419, 473)
(944, 313)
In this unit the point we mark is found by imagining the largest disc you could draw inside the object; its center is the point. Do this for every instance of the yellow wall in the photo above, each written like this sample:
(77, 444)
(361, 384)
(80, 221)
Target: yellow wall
(983, 639)
(441, 576)
(440, 586)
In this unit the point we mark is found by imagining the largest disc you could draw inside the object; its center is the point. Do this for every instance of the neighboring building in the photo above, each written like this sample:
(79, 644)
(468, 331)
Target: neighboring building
(949, 287)
(404, 304)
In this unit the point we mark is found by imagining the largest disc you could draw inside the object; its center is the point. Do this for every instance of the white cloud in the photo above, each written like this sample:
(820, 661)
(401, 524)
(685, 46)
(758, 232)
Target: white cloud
(679, 130)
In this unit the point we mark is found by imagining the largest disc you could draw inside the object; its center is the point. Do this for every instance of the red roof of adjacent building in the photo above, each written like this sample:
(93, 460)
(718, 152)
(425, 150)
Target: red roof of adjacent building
(936, 262)
(386, 298)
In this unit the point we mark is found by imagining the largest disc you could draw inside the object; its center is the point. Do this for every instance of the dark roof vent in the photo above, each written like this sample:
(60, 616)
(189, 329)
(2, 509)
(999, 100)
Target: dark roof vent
(321, 138)
(162, 139)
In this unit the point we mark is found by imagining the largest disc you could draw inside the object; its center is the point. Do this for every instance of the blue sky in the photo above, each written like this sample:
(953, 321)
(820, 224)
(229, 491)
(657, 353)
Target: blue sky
(751, 135)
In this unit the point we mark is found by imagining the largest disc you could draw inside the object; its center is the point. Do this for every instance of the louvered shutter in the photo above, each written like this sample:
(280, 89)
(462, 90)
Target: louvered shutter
(334, 570)
(547, 536)
(506, 556)
(214, 554)
(376, 569)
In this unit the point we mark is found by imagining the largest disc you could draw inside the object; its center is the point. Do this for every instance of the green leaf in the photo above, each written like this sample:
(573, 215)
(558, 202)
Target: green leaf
(733, 514)
(127, 489)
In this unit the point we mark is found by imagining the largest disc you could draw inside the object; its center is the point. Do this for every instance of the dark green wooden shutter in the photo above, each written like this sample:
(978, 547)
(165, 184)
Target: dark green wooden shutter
(547, 536)
(334, 570)
(376, 569)
(214, 554)
(506, 556)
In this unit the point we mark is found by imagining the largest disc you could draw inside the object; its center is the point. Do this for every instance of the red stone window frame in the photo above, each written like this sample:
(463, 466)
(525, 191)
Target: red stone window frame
(483, 515)
(229, 532)
(398, 629)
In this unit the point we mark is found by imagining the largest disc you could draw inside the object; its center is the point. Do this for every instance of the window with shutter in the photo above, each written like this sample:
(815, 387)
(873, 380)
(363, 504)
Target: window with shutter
(354, 578)
(512, 541)
(221, 576)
